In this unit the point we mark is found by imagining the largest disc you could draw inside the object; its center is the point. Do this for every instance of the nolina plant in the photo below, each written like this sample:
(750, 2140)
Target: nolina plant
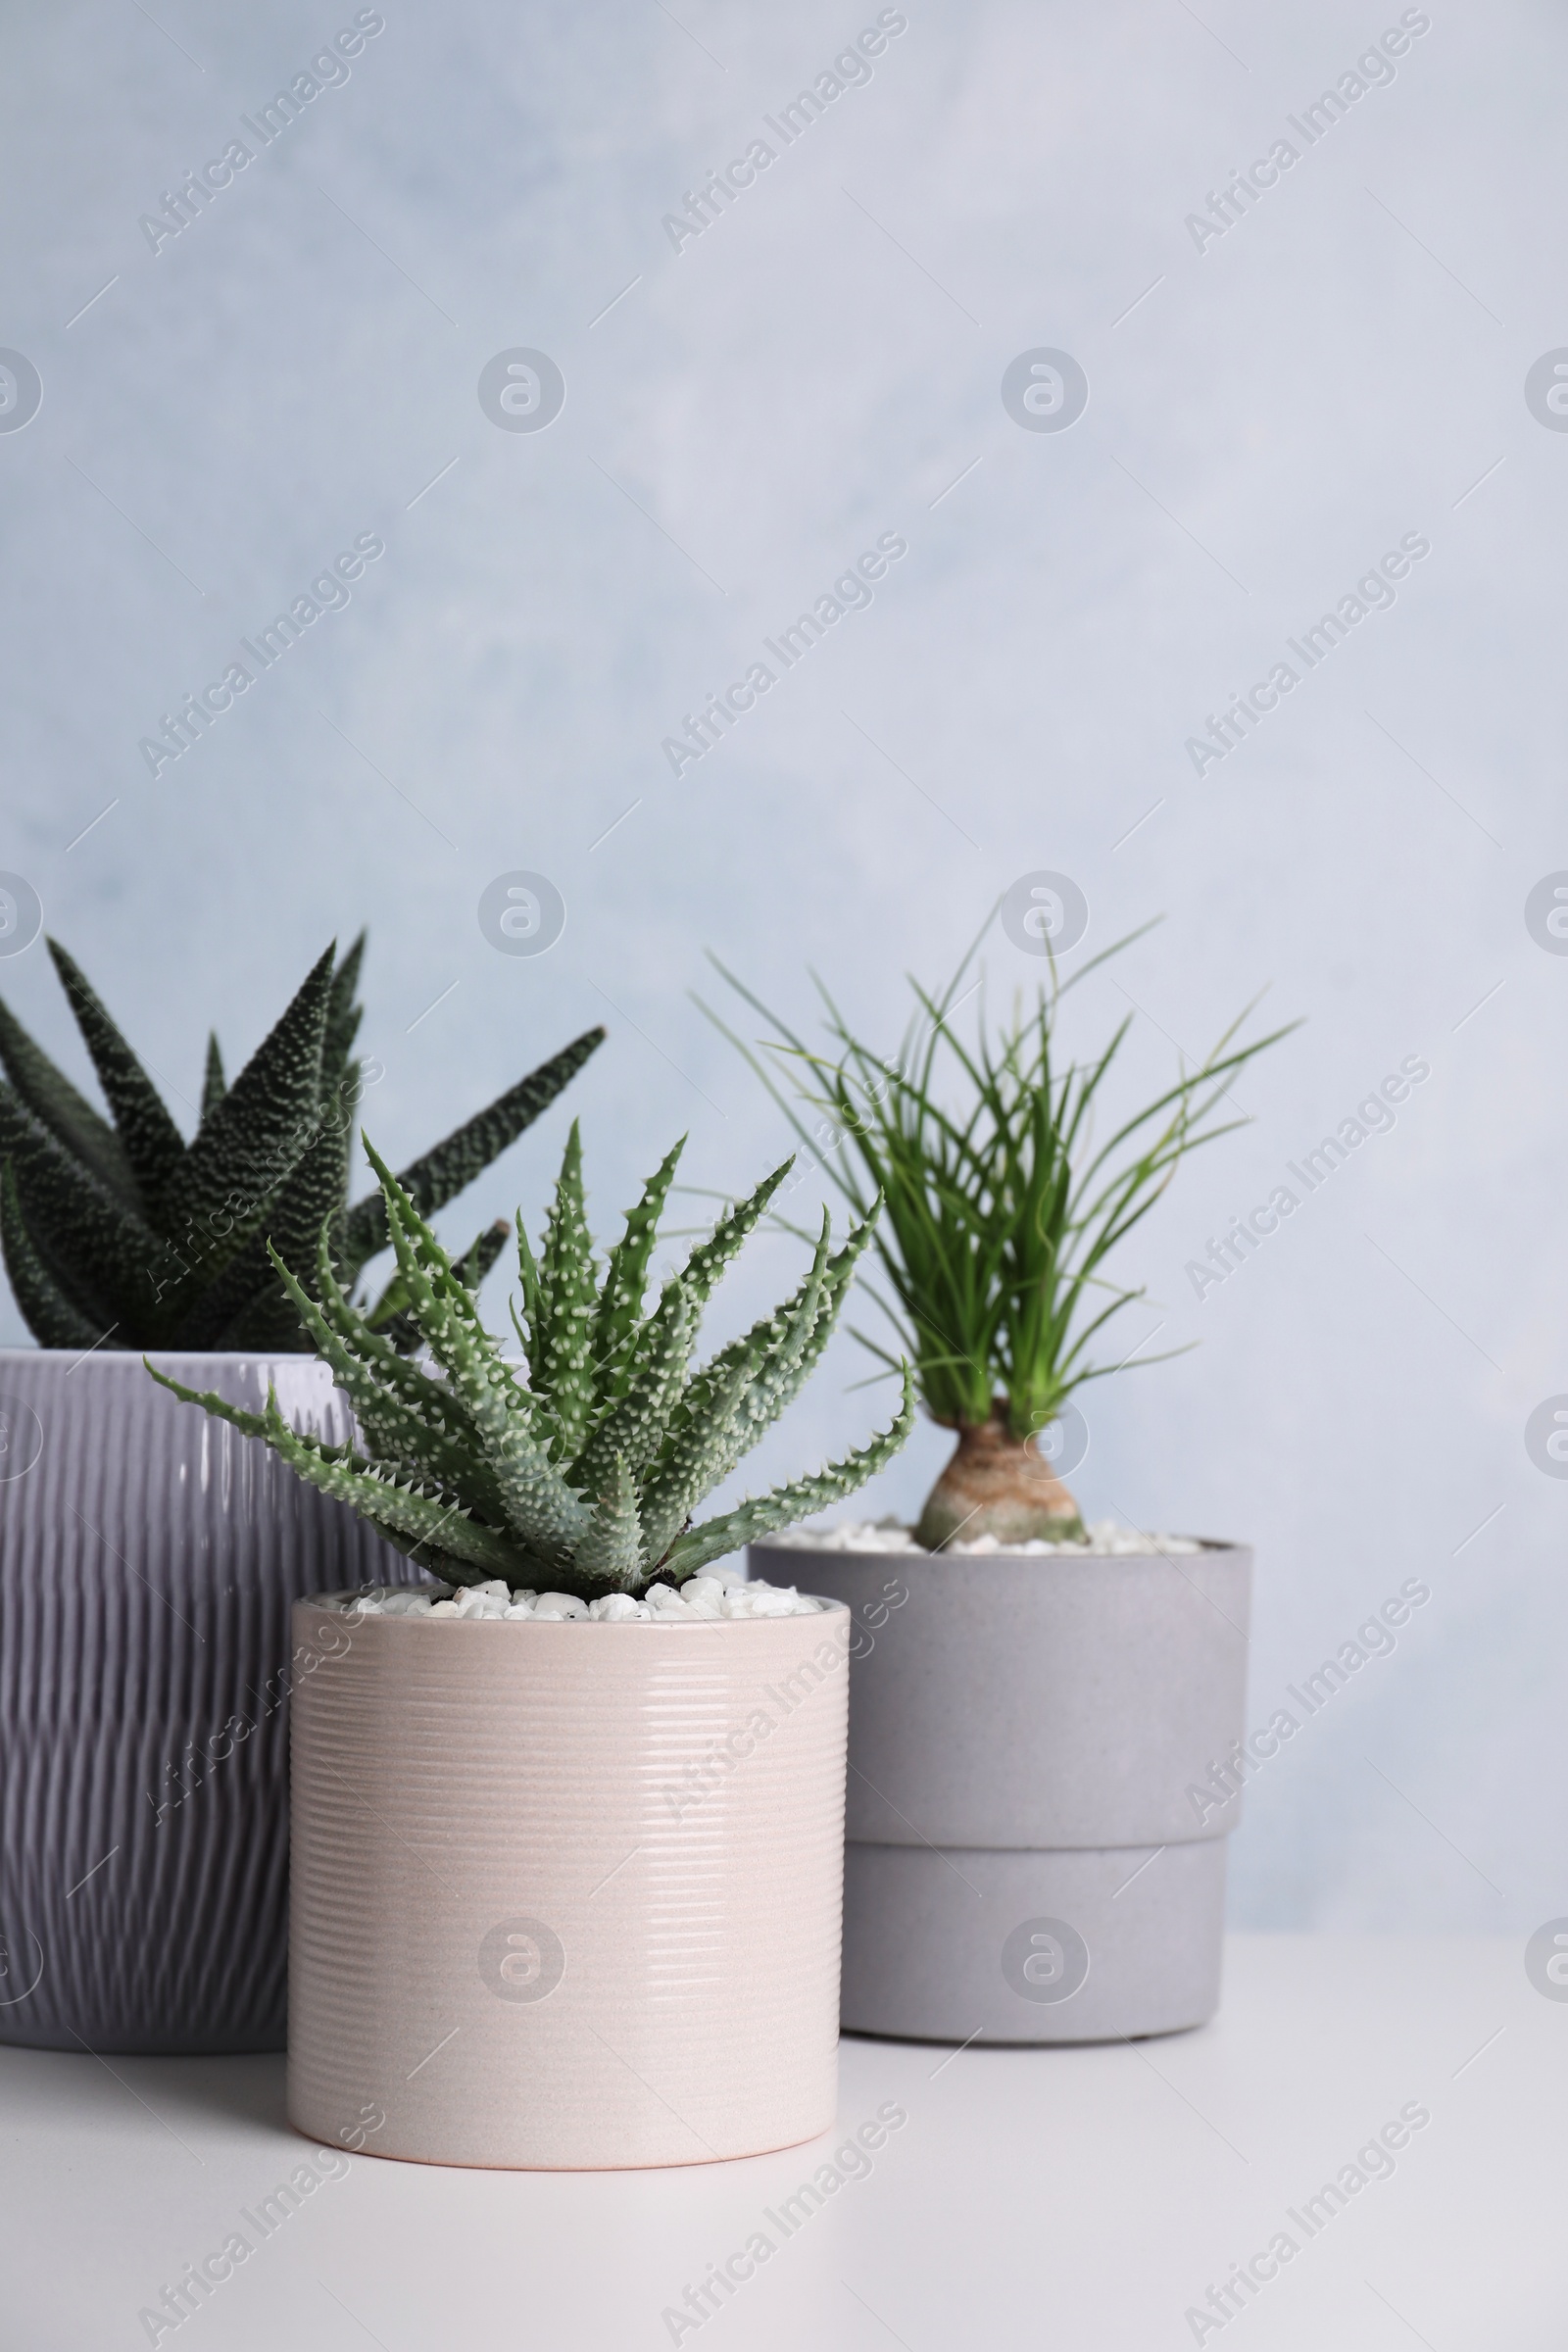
(581, 1474)
(1000, 1216)
(122, 1234)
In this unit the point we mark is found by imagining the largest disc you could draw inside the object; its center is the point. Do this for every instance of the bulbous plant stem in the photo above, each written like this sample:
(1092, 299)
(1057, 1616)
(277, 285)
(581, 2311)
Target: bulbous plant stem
(996, 1485)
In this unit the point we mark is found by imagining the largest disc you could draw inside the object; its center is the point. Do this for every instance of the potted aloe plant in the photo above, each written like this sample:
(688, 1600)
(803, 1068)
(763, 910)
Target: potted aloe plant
(567, 1827)
(1025, 1860)
(148, 1564)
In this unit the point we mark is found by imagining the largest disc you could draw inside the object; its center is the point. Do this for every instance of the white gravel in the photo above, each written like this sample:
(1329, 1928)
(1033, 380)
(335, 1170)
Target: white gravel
(1106, 1540)
(662, 1605)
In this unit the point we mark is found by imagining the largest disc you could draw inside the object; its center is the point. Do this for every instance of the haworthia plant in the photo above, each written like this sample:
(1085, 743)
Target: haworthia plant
(580, 1471)
(116, 1231)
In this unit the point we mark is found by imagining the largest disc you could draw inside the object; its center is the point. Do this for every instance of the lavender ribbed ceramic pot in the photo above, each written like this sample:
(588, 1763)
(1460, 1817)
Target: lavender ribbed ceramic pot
(149, 1559)
(1040, 1789)
(567, 1896)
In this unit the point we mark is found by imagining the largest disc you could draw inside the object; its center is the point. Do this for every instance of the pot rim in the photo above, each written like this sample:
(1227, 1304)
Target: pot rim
(984, 1559)
(342, 1604)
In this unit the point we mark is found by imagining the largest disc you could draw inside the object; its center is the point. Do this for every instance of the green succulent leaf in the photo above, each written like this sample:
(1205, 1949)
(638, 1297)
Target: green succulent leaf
(788, 1341)
(481, 1472)
(400, 1429)
(75, 1222)
(711, 1258)
(446, 1316)
(801, 1500)
(433, 1180)
(222, 1190)
(390, 1314)
(125, 1231)
(249, 1424)
(560, 1366)
(153, 1143)
(343, 1017)
(50, 1315)
(71, 1120)
(638, 1423)
(443, 1528)
(698, 1458)
(611, 1546)
(541, 1508)
(215, 1086)
(625, 1284)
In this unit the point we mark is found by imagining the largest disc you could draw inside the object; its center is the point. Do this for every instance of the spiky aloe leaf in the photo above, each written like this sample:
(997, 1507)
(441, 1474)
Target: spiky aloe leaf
(433, 1401)
(461, 1475)
(342, 1017)
(75, 1223)
(153, 1143)
(246, 1307)
(431, 1181)
(528, 1276)
(635, 1428)
(425, 1519)
(71, 1120)
(215, 1086)
(483, 1252)
(390, 1311)
(249, 1424)
(695, 1464)
(446, 1316)
(621, 1300)
(792, 1339)
(804, 1496)
(311, 1195)
(765, 1336)
(560, 1349)
(440, 1526)
(542, 1510)
(705, 1263)
(611, 1546)
(709, 1260)
(48, 1314)
(398, 1432)
(256, 1136)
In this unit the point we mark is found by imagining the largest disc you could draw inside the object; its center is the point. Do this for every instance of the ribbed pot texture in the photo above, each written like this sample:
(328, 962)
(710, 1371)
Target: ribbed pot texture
(567, 1896)
(149, 1559)
(1036, 1832)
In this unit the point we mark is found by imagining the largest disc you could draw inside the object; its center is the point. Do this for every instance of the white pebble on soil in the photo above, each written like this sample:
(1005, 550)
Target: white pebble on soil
(662, 1604)
(1106, 1540)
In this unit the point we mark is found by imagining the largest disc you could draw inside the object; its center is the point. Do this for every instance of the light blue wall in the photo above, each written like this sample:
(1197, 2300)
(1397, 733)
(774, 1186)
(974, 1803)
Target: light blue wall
(1336, 370)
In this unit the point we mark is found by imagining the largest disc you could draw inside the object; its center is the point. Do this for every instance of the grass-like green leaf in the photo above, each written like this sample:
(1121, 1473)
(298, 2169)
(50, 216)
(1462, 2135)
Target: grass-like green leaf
(1001, 1216)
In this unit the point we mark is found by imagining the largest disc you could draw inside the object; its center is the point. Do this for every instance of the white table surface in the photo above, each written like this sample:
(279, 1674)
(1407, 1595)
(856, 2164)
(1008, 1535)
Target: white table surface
(1073, 2198)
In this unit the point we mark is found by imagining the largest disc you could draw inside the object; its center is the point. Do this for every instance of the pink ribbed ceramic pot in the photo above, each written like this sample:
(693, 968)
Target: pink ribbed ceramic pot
(567, 1896)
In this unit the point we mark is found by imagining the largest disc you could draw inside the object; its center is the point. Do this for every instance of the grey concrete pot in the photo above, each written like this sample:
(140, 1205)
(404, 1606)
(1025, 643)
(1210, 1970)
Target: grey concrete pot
(149, 1559)
(1025, 1861)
